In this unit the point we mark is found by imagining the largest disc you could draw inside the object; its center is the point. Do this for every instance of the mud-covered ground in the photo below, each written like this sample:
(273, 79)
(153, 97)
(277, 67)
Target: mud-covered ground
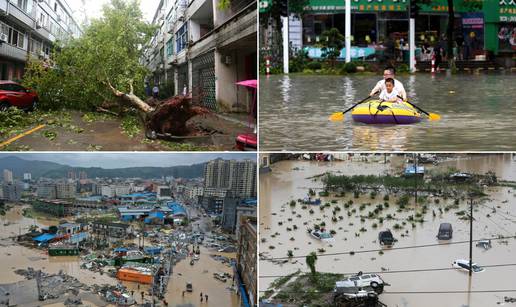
(77, 131)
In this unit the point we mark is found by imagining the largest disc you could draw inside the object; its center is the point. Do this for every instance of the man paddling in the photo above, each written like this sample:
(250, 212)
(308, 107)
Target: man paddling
(389, 72)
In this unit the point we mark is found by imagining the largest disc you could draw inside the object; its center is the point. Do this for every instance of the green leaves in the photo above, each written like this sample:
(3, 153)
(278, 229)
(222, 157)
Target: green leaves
(109, 50)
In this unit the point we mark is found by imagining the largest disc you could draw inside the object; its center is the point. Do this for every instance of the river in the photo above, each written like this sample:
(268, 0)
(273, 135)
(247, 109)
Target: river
(290, 180)
(477, 113)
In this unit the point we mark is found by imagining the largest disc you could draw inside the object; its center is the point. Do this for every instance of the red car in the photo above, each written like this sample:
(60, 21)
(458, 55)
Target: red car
(13, 94)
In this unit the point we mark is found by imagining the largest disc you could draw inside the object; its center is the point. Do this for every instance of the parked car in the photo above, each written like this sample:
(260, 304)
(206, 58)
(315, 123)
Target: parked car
(463, 265)
(445, 231)
(385, 237)
(13, 94)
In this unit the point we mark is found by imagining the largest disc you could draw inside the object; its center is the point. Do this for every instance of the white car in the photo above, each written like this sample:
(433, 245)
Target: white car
(463, 265)
(360, 286)
(321, 235)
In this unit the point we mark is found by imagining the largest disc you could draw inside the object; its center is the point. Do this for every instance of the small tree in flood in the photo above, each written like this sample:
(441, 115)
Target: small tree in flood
(311, 259)
(332, 42)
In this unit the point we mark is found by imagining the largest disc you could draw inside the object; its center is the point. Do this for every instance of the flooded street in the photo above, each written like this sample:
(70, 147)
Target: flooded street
(201, 276)
(477, 113)
(15, 256)
(290, 180)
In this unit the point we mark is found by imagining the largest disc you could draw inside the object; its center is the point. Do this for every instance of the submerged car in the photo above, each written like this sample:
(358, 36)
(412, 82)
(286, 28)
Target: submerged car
(386, 238)
(360, 286)
(321, 235)
(13, 94)
(189, 287)
(445, 231)
(463, 265)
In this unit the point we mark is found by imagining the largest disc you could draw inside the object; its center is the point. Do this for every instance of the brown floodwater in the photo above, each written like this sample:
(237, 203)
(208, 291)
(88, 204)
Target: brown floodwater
(14, 256)
(201, 276)
(283, 184)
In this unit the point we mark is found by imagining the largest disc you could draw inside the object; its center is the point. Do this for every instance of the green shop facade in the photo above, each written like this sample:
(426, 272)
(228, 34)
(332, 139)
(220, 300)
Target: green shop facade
(485, 26)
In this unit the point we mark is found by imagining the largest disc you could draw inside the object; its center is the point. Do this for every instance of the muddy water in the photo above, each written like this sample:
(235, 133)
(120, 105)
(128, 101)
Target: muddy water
(14, 256)
(476, 112)
(283, 184)
(201, 277)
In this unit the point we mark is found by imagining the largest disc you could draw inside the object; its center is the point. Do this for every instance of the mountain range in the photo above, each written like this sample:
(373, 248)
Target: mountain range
(48, 169)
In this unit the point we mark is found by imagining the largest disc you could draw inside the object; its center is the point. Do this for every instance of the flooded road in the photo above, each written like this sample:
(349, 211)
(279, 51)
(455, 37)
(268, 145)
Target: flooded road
(284, 184)
(477, 113)
(201, 276)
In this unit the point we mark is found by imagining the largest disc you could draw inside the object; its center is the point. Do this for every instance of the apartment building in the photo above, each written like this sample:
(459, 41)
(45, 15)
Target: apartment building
(203, 49)
(30, 28)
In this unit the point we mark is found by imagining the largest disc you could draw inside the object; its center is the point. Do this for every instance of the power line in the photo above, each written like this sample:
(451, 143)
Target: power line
(400, 271)
(415, 292)
(388, 249)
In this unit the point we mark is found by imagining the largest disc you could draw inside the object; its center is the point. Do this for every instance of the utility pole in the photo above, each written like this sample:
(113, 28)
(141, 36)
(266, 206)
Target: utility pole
(470, 235)
(415, 178)
(413, 11)
(347, 31)
(284, 25)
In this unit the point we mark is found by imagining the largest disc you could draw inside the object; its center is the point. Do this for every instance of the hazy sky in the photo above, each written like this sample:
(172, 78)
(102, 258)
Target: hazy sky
(121, 160)
(93, 8)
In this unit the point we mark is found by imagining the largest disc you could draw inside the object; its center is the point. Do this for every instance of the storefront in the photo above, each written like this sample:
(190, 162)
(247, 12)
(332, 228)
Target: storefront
(500, 27)
(480, 26)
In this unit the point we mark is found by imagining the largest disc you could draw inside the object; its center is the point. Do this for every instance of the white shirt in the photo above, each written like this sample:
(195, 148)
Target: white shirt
(398, 87)
(392, 96)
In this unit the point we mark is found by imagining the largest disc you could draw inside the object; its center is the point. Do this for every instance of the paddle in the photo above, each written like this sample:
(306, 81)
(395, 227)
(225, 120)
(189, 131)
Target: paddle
(431, 116)
(338, 116)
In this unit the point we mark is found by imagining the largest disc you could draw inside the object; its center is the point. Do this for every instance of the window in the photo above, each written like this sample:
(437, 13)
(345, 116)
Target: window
(17, 88)
(16, 38)
(181, 38)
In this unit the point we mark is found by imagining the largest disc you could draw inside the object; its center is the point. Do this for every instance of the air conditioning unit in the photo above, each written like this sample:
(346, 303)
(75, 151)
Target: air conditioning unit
(41, 1)
(38, 24)
(3, 38)
(58, 18)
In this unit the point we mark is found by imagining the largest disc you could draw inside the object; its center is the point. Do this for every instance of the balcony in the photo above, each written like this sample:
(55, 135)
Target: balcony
(13, 52)
(3, 7)
(20, 15)
(44, 33)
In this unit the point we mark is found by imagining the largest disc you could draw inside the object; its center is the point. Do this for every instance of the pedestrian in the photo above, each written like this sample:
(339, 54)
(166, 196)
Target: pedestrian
(165, 302)
(155, 91)
(201, 298)
(132, 292)
(143, 294)
(206, 296)
(201, 294)
(183, 293)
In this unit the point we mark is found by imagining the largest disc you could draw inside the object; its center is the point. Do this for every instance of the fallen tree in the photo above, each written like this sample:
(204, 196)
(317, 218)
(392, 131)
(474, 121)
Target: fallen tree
(102, 71)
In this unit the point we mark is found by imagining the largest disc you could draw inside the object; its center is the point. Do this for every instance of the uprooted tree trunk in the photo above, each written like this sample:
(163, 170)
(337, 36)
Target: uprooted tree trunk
(166, 117)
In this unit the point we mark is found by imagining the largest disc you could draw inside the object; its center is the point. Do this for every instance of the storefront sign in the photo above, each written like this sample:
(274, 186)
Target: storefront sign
(358, 5)
(356, 52)
(507, 10)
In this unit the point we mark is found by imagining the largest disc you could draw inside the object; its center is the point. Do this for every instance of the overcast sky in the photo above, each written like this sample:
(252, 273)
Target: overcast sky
(122, 160)
(93, 8)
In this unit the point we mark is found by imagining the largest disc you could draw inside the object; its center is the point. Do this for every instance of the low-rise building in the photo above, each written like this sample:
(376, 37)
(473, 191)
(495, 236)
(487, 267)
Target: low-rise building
(47, 191)
(66, 190)
(12, 191)
(115, 230)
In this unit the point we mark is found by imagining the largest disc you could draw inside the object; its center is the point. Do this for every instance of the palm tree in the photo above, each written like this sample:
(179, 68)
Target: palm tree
(311, 259)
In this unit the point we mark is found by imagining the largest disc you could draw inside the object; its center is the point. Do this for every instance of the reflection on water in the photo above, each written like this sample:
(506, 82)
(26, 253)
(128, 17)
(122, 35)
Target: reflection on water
(477, 112)
(290, 180)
